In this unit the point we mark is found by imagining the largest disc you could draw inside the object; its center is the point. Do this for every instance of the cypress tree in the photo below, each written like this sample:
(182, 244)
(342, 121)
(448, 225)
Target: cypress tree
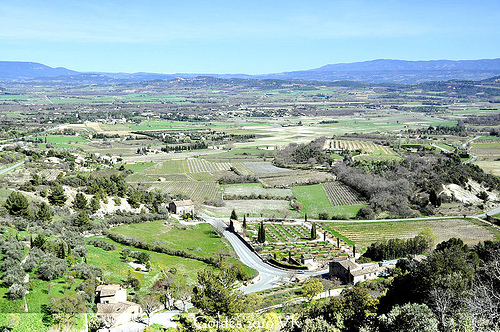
(313, 232)
(244, 222)
(338, 242)
(433, 197)
(231, 225)
(233, 215)
(261, 235)
(305, 217)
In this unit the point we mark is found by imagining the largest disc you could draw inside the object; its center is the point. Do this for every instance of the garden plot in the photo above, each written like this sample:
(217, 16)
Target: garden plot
(283, 232)
(196, 190)
(340, 195)
(367, 233)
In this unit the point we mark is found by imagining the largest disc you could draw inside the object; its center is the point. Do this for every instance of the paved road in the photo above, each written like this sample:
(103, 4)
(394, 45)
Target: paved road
(8, 169)
(269, 276)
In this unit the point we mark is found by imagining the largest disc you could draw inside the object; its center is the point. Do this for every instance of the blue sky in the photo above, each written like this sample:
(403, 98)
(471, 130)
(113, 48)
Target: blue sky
(252, 36)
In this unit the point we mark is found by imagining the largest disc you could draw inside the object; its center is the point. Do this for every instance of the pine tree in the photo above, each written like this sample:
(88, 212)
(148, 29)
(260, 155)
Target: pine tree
(43, 213)
(82, 220)
(80, 202)
(95, 203)
(57, 196)
(313, 232)
(17, 204)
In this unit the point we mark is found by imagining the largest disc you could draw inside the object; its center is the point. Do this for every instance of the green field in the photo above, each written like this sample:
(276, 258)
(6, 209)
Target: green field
(200, 239)
(63, 139)
(115, 269)
(315, 201)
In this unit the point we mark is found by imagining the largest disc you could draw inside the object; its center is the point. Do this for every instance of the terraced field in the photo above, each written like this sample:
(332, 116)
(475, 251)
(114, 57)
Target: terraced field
(340, 195)
(444, 229)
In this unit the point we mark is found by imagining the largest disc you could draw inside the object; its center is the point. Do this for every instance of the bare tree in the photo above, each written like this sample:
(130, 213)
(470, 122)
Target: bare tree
(441, 300)
(484, 299)
(108, 315)
(149, 304)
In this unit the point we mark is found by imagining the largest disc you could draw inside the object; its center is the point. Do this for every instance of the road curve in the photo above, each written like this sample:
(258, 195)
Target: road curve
(269, 276)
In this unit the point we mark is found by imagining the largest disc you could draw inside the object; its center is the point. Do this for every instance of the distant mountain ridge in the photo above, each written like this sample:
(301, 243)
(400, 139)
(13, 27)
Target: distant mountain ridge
(29, 70)
(374, 71)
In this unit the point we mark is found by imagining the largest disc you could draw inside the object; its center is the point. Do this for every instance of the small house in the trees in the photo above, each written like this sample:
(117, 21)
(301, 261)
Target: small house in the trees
(181, 207)
(113, 307)
(110, 294)
(350, 272)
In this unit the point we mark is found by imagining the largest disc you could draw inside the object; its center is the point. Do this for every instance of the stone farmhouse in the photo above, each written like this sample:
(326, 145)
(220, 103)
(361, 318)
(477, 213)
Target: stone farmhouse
(113, 307)
(181, 207)
(350, 272)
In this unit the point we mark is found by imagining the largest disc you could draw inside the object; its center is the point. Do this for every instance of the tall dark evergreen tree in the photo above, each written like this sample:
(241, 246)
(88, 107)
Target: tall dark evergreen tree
(314, 235)
(261, 235)
(233, 215)
(244, 222)
(433, 197)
